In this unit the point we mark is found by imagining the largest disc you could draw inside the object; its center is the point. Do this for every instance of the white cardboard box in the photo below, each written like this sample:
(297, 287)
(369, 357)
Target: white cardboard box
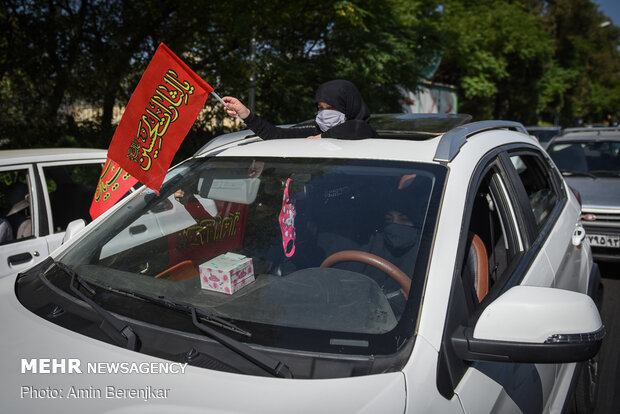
(226, 273)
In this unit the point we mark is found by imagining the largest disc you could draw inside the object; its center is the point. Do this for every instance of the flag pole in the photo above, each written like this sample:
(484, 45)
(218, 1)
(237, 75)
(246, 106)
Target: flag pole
(216, 96)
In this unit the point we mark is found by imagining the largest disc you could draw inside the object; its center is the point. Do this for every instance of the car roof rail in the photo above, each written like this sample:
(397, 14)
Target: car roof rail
(451, 142)
(232, 137)
(591, 129)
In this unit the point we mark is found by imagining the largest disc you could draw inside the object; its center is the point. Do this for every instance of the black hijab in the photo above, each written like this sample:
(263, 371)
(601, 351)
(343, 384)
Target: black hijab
(343, 96)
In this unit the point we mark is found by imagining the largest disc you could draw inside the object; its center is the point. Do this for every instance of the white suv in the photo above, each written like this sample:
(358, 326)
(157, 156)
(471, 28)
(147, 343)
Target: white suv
(436, 269)
(41, 192)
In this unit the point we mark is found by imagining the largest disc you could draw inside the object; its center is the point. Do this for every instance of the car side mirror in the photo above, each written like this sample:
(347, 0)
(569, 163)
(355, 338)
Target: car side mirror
(73, 228)
(534, 325)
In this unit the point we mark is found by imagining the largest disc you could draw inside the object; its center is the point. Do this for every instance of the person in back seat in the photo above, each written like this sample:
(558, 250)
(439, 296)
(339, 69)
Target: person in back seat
(6, 232)
(17, 195)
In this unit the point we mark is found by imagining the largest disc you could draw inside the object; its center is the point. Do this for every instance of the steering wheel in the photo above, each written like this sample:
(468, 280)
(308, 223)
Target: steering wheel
(368, 258)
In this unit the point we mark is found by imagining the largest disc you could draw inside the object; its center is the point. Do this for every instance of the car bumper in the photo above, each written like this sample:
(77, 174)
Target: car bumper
(604, 255)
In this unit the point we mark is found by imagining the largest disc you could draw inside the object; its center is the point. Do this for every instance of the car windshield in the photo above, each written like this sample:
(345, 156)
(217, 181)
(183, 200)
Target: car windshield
(598, 158)
(544, 135)
(259, 242)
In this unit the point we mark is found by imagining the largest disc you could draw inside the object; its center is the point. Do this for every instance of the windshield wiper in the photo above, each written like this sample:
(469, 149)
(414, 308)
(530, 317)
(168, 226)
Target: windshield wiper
(114, 327)
(269, 364)
(122, 333)
(183, 307)
(578, 173)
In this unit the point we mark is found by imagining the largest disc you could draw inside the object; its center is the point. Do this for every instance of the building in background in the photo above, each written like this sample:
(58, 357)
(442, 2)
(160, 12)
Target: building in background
(430, 98)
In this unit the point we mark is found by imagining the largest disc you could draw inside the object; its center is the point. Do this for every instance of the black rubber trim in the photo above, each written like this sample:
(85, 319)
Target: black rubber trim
(472, 349)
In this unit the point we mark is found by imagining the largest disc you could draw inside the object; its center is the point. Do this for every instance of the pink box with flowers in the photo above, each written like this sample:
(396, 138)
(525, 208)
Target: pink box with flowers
(226, 273)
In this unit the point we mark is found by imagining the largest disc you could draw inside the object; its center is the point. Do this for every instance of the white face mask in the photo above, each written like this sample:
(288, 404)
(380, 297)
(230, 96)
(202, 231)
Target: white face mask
(329, 118)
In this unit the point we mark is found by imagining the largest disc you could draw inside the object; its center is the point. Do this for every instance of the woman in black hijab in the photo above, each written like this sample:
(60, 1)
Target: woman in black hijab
(342, 113)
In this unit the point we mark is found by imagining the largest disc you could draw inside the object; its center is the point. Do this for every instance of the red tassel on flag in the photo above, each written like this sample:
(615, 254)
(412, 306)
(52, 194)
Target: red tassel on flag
(159, 114)
(114, 182)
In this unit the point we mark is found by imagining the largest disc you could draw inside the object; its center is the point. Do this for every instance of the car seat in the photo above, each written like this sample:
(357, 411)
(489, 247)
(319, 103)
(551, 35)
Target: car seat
(18, 216)
(70, 201)
(477, 266)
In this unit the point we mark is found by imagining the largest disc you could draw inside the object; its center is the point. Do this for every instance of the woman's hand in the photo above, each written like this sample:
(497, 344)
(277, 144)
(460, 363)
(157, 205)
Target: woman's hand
(314, 136)
(234, 107)
(179, 194)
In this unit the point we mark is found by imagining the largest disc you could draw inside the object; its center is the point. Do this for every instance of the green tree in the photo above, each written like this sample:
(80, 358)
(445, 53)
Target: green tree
(494, 53)
(526, 60)
(586, 63)
(532, 61)
(301, 44)
(62, 54)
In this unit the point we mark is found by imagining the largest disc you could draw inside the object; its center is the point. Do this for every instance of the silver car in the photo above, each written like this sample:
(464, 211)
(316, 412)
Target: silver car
(544, 134)
(589, 159)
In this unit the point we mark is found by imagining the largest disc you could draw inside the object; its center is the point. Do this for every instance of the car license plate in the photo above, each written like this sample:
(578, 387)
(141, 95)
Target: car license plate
(602, 240)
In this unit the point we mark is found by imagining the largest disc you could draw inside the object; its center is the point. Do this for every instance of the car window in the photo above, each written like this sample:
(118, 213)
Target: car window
(493, 242)
(544, 136)
(15, 206)
(293, 218)
(70, 190)
(491, 249)
(595, 158)
(538, 185)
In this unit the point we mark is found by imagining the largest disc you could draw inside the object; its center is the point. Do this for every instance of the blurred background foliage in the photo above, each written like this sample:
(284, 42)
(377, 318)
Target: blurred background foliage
(524, 60)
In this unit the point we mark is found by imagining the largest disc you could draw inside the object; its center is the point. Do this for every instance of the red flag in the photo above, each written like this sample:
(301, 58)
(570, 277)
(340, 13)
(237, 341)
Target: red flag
(114, 182)
(158, 116)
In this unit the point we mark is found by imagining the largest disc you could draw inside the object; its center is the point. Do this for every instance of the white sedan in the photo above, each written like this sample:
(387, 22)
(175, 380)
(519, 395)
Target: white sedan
(426, 271)
(41, 192)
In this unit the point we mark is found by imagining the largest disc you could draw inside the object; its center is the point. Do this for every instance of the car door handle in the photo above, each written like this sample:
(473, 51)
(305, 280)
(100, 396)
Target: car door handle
(578, 235)
(137, 229)
(19, 259)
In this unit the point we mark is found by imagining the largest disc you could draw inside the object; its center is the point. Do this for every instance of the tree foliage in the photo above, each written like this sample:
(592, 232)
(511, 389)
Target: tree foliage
(526, 60)
(586, 48)
(532, 61)
(62, 54)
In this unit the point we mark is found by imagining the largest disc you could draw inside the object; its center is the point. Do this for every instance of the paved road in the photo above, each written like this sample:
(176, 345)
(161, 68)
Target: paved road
(609, 393)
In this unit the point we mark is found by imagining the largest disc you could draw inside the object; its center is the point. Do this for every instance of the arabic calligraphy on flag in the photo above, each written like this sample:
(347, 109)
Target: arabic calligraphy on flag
(162, 109)
(114, 182)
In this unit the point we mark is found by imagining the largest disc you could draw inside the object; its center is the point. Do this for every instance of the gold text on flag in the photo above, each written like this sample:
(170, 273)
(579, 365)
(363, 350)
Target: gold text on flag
(162, 110)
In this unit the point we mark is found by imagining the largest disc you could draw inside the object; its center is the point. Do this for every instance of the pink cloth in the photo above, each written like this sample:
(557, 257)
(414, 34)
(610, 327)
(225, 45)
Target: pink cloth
(287, 221)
